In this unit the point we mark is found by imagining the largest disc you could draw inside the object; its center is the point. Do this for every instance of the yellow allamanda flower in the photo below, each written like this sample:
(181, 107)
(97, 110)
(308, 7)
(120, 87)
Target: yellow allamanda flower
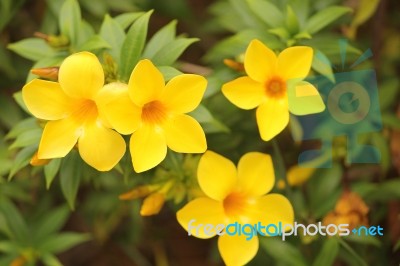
(72, 108)
(155, 114)
(274, 85)
(235, 195)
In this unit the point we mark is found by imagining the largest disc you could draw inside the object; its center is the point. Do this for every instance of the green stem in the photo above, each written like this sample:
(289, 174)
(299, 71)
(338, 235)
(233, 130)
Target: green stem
(175, 165)
(281, 167)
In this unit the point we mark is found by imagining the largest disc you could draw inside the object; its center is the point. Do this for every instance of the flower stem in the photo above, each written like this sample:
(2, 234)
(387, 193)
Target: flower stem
(280, 163)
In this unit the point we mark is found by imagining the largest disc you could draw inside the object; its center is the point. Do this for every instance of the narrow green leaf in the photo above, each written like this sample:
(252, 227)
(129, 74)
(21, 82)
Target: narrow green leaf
(51, 223)
(51, 170)
(18, 99)
(86, 32)
(283, 252)
(70, 176)
(169, 72)
(15, 221)
(160, 39)
(94, 43)
(170, 52)
(22, 126)
(322, 65)
(202, 114)
(267, 12)
(10, 114)
(325, 17)
(62, 242)
(22, 159)
(328, 253)
(70, 20)
(364, 240)
(126, 19)
(51, 260)
(351, 251)
(133, 45)
(292, 22)
(112, 32)
(32, 48)
(7, 246)
(388, 91)
(391, 120)
(27, 138)
(296, 129)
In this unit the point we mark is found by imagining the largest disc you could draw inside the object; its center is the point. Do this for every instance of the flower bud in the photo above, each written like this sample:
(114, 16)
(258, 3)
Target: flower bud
(152, 204)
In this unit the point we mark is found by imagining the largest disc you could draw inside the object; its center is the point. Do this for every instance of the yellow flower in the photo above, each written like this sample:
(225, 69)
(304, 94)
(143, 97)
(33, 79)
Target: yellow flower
(71, 106)
(236, 195)
(274, 85)
(156, 114)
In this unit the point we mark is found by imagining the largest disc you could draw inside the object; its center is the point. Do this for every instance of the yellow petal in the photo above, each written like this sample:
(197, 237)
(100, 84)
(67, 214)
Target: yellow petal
(184, 134)
(58, 139)
(146, 83)
(101, 147)
(272, 118)
(256, 173)
(305, 99)
(236, 250)
(272, 209)
(81, 75)
(244, 92)
(201, 211)
(259, 61)
(295, 62)
(183, 93)
(217, 175)
(148, 148)
(297, 175)
(116, 105)
(46, 100)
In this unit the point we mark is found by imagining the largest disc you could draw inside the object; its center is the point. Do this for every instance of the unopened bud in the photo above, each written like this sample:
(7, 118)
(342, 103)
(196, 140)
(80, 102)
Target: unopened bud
(234, 65)
(19, 261)
(35, 161)
(152, 204)
(46, 72)
(136, 193)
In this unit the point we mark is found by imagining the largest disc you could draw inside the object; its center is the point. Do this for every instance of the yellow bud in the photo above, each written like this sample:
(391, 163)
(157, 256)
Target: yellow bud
(35, 161)
(297, 175)
(46, 72)
(152, 204)
(234, 65)
(19, 261)
(281, 184)
(136, 193)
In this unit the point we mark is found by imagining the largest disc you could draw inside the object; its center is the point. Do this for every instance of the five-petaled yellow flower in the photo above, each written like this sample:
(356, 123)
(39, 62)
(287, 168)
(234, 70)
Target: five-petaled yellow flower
(155, 113)
(235, 195)
(274, 85)
(72, 109)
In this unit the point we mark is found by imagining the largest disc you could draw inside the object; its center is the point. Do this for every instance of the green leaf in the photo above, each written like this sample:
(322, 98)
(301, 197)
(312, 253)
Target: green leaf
(32, 48)
(292, 22)
(70, 20)
(51, 223)
(94, 43)
(283, 252)
(160, 39)
(27, 138)
(351, 251)
(296, 129)
(391, 120)
(7, 246)
(10, 114)
(15, 221)
(169, 72)
(50, 260)
(364, 240)
(325, 17)
(62, 242)
(328, 253)
(22, 126)
(170, 52)
(70, 176)
(18, 98)
(322, 65)
(112, 32)
(126, 19)
(388, 92)
(22, 159)
(133, 45)
(267, 12)
(324, 190)
(208, 121)
(86, 32)
(51, 170)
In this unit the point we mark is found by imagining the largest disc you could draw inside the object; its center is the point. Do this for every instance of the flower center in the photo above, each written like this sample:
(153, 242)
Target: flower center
(86, 111)
(154, 112)
(236, 204)
(275, 87)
